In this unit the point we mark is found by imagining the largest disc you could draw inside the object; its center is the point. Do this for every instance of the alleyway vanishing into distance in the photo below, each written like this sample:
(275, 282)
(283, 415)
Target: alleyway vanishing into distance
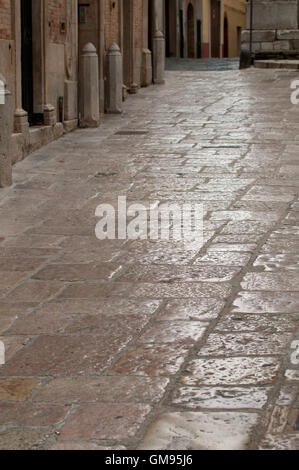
(145, 344)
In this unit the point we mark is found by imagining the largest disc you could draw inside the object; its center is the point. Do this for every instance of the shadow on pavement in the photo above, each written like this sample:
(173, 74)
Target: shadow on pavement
(202, 64)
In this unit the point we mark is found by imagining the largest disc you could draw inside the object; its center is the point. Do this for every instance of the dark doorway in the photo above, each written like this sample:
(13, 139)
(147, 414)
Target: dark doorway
(127, 43)
(239, 33)
(215, 28)
(199, 44)
(27, 59)
(167, 28)
(150, 25)
(225, 46)
(191, 37)
(182, 45)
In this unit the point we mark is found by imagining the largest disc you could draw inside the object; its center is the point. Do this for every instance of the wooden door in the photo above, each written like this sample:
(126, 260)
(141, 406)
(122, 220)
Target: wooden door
(215, 28)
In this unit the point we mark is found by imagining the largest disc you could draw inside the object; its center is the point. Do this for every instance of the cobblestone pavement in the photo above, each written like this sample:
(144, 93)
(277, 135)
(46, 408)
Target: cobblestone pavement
(151, 345)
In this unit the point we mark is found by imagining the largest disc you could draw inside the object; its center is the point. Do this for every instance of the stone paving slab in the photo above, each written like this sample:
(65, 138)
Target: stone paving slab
(144, 344)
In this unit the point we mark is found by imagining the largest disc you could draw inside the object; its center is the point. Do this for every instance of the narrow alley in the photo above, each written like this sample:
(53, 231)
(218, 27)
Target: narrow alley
(123, 344)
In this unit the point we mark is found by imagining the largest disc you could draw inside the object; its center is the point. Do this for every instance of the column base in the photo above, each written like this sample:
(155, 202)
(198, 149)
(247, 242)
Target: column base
(21, 124)
(49, 115)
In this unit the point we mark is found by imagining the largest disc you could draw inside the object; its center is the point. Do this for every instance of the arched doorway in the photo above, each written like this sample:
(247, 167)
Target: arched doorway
(225, 45)
(215, 28)
(191, 35)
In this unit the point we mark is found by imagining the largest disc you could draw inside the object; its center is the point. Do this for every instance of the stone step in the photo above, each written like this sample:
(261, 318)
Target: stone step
(277, 64)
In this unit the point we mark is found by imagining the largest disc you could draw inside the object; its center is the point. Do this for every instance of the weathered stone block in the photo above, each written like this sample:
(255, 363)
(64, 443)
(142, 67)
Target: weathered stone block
(274, 15)
(147, 69)
(159, 58)
(70, 125)
(70, 100)
(259, 36)
(288, 34)
(49, 115)
(89, 87)
(267, 46)
(256, 47)
(281, 45)
(114, 80)
(21, 125)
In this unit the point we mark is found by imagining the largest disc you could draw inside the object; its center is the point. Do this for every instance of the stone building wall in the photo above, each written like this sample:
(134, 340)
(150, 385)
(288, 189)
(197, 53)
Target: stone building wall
(137, 40)
(5, 19)
(7, 43)
(113, 22)
(275, 29)
(200, 33)
(235, 13)
(56, 18)
(60, 29)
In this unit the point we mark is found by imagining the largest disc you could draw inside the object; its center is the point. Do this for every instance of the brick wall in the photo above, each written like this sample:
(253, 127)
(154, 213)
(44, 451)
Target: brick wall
(57, 16)
(5, 19)
(138, 23)
(112, 22)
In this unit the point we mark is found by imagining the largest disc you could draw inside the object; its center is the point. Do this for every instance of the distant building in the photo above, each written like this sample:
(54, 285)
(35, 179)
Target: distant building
(204, 28)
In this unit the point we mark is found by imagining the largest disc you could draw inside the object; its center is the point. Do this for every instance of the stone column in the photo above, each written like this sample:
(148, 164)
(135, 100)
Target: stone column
(6, 129)
(114, 79)
(159, 58)
(159, 15)
(159, 43)
(147, 68)
(89, 87)
(49, 115)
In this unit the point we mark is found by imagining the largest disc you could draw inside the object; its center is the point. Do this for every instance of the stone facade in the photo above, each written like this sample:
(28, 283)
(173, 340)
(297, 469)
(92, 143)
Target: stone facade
(275, 31)
(41, 50)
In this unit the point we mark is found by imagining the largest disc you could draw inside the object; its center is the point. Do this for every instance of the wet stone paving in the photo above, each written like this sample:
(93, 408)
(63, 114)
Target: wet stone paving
(123, 344)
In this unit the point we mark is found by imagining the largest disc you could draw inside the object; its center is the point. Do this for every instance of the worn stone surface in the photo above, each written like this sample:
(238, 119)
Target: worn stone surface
(103, 389)
(219, 398)
(231, 370)
(23, 438)
(200, 431)
(104, 422)
(17, 389)
(148, 344)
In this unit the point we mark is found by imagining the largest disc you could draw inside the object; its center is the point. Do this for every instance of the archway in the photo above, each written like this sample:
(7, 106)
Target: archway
(191, 35)
(225, 45)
